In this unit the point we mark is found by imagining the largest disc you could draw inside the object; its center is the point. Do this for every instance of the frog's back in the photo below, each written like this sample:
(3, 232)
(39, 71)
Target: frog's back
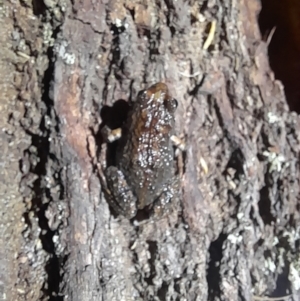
(145, 155)
(146, 171)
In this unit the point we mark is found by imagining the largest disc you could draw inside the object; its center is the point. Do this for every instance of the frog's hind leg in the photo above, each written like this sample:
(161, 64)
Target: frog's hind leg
(166, 202)
(121, 198)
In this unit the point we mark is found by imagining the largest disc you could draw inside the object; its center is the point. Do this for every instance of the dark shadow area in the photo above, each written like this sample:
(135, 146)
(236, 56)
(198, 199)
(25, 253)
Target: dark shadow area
(264, 206)
(279, 23)
(236, 162)
(153, 251)
(38, 7)
(213, 276)
(163, 291)
(42, 194)
(112, 117)
(283, 286)
(42, 144)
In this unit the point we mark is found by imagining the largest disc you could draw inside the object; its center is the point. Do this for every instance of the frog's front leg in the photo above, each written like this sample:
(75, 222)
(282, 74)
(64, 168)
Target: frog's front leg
(111, 135)
(121, 196)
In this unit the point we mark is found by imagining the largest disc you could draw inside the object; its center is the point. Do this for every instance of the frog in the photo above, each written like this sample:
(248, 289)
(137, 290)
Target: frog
(143, 174)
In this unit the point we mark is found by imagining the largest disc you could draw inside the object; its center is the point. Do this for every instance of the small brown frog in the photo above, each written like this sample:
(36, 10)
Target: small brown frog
(144, 171)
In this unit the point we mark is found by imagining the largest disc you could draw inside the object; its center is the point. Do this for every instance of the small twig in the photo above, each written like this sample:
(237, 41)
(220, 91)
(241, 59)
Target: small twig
(270, 36)
(211, 35)
(272, 298)
(23, 55)
(190, 75)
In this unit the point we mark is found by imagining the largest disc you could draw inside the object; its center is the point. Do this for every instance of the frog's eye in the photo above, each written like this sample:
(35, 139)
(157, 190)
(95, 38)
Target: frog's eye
(141, 94)
(171, 104)
(175, 102)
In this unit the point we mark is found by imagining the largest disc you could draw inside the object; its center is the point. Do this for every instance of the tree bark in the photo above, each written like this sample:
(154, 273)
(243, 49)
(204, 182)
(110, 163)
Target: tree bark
(67, 68)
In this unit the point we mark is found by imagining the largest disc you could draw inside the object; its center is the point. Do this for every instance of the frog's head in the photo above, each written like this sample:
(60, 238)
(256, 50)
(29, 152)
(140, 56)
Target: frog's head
(158, 96)
(154, 111)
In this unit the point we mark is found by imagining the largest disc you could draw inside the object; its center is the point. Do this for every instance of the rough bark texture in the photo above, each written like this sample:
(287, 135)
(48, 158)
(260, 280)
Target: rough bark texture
(66, 69)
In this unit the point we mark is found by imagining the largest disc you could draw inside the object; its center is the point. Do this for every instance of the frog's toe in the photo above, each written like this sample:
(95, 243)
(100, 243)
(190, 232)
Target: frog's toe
(164, 204)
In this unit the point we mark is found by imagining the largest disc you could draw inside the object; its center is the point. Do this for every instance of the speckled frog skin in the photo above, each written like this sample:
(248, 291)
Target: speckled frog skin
(144, 172)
